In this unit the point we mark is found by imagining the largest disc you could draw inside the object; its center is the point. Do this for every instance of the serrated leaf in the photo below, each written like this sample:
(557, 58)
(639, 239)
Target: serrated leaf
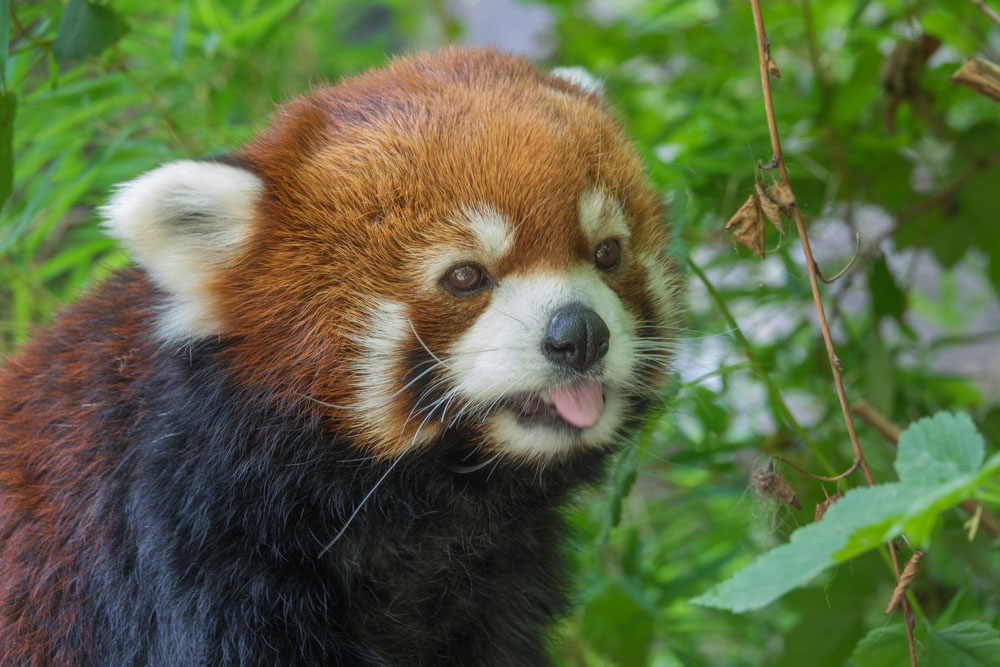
(810, 550)
(939, 448)
(866, 517)
(86, 30)
(966, 644)
(883, 646)
(8, 111)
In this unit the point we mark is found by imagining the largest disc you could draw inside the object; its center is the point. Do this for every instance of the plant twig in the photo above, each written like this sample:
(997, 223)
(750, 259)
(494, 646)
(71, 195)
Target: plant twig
(857, 252)
(835, 478)
(986, 10)
(763, 57)
(782, 409)
(941, 196)
(869, 414)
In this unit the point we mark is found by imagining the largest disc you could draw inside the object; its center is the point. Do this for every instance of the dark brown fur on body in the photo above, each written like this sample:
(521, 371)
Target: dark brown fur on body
(213, 486)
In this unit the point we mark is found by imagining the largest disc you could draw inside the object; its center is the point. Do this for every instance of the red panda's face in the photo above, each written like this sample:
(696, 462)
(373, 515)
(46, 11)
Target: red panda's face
(459, 242)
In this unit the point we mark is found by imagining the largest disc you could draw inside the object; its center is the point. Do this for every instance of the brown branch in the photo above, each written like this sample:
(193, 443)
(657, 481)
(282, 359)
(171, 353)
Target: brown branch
(986, 10)
(763, 56)
(869, 414)
(942, 196)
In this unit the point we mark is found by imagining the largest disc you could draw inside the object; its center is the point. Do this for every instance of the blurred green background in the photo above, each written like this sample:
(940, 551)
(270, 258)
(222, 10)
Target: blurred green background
(881, 146)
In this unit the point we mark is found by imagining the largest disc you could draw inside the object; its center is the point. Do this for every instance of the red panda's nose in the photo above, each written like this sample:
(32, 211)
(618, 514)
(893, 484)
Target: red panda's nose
(577, 337)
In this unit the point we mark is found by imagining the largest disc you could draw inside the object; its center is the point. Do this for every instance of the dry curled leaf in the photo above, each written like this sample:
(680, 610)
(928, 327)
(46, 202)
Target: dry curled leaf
(781, 195)
(772, 68)
(748, 225)
(767, 482)
(981, 76)
(822, 507)
(904, 581)
(770, 208)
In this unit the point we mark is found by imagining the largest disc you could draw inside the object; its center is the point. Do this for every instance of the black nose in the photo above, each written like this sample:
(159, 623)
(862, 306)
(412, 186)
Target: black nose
(577, 337)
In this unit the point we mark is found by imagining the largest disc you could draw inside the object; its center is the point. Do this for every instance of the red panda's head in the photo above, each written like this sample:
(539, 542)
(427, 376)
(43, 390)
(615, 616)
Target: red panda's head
(459, 241)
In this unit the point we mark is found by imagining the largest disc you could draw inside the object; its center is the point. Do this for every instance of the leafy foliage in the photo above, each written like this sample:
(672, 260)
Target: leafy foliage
(939, 464)
(878, 141)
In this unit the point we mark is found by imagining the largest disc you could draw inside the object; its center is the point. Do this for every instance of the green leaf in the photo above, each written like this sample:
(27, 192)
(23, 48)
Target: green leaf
(4, 40)
(880, 375)
(966, 644)
(622, 481)
(86, 30)
(617, 627)
(677, 221)
(887, 298)
(938, 460)
(810, 550)
(179, 34)
(939, 448)
(8, 110)
(883, 646)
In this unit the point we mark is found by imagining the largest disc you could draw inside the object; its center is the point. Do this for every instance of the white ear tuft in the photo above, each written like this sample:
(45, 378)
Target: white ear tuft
(182, 222)
(581, 78)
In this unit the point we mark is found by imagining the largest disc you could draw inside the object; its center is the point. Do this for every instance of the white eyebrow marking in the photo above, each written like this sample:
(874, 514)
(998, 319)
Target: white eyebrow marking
(492, 230)
(602, 217)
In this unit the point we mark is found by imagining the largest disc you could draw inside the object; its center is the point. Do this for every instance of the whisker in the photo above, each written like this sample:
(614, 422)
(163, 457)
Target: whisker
(423, 345)
(357, 509)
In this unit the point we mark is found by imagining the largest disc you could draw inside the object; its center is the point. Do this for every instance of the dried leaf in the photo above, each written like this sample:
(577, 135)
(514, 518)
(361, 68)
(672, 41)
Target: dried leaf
(904, 581)
(770, 208)
(748, 225)
(981, 76)
(767, 482)
(781, 194)
(772, 68)
(822, 507)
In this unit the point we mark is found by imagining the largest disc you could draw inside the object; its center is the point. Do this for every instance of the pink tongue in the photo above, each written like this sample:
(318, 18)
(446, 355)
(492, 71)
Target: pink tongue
(580, 403)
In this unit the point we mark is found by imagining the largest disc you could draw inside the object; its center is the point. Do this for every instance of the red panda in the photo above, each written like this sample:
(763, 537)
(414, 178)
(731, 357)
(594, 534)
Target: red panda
(334, 413)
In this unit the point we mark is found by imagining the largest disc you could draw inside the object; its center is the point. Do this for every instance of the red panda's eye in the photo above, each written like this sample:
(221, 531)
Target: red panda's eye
(465, 278)
(608, 255)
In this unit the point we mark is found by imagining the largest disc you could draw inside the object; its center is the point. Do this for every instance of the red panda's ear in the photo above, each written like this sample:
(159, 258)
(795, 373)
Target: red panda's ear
(183, 223)
(581, 78)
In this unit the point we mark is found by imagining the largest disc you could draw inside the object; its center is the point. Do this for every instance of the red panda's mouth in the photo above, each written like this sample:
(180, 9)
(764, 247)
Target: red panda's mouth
(578, 404)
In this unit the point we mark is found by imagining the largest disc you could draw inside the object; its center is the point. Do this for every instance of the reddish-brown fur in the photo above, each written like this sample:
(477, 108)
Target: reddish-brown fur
(548, 142)
(359, 179)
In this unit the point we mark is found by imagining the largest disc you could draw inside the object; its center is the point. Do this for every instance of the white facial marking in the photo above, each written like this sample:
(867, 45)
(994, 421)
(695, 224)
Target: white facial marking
(501, 356)
(663, 289)
(581, 78)
(493, 235)
(181, 222)
(533, 443)
(492, 229)
(602, 217)
(376, 369)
